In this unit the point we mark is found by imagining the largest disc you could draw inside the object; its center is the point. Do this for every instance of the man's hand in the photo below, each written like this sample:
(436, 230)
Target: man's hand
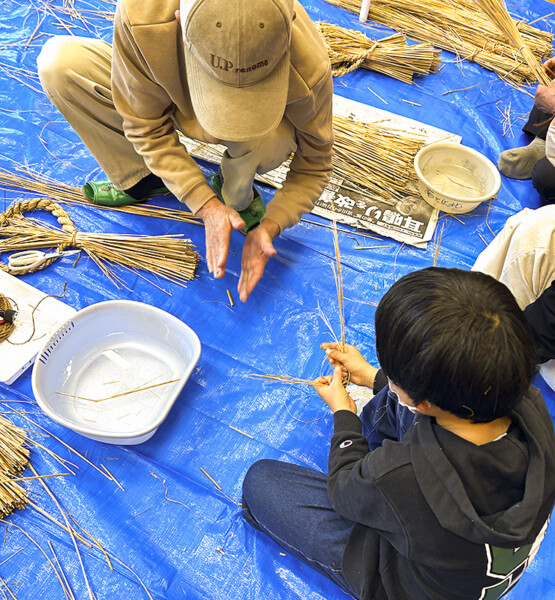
(545, 98)
(332, 392)
(219, 222)
(350, 362)
(257, 250)
(549, 67)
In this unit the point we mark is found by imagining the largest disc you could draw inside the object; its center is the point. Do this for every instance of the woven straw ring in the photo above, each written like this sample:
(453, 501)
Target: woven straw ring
(18, 208)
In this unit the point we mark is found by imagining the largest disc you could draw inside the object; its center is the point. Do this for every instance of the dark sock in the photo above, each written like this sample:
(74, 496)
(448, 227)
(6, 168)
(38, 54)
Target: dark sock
(145, 186)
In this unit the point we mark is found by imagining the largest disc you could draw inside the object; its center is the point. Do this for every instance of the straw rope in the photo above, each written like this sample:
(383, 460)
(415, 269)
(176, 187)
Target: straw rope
(168, 256)
(7, 327)
(38, 204)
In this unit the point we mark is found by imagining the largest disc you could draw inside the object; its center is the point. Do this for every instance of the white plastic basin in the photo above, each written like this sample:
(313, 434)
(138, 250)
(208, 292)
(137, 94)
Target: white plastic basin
(113, 371)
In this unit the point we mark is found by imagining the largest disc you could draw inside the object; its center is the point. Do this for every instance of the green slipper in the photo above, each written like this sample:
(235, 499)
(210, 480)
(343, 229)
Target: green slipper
(104, 192)
(252, 215)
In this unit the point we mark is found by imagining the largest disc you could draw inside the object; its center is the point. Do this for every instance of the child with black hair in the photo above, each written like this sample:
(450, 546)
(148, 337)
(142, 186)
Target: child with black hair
(443, 488)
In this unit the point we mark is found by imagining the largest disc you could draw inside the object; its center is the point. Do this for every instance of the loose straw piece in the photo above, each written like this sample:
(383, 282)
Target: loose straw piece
(438, 244)
(66, 445)
(241, 432)
(212, 480)
(68, 591)
(113, 478)
(126, 393)
(33, 541)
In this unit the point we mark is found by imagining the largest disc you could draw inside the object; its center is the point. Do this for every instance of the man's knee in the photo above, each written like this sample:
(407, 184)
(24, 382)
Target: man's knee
(57, 62)
(543, 179)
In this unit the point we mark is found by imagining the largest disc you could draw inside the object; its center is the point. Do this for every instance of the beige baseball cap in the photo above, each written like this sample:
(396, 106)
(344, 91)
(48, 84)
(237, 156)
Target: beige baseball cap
(237, 59)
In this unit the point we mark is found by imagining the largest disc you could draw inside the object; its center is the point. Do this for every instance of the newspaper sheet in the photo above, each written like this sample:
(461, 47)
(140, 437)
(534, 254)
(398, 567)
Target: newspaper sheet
(410, 220)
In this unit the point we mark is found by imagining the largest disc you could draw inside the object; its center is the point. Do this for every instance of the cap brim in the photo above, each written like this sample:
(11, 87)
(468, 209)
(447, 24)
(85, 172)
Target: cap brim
(238, 114)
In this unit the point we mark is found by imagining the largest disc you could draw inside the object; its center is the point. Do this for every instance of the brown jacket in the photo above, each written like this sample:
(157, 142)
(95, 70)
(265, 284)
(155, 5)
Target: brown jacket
(151, 93)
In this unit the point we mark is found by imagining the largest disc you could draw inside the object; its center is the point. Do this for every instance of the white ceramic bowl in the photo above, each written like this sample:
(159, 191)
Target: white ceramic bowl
(455, 178)
(113, 371)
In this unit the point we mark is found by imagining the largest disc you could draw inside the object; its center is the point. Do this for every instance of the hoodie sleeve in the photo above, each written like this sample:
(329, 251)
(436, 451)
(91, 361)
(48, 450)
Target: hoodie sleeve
(147, 112)
(352, 488)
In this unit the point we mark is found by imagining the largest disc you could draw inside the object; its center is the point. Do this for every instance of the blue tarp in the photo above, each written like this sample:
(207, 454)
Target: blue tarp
(172, 527)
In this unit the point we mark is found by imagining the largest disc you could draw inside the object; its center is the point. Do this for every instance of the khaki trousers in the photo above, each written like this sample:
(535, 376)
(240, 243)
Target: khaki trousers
(75, 73)
(522, 256)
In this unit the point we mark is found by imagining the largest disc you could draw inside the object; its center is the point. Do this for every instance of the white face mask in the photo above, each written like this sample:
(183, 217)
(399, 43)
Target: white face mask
(394, 396)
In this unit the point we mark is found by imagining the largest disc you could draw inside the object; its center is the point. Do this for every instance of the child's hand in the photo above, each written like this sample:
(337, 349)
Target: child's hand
(332, 392)
(351, 362)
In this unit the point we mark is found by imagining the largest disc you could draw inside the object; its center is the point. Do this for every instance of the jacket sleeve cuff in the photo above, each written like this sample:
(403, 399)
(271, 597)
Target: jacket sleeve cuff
(196, 198)
(345, 420)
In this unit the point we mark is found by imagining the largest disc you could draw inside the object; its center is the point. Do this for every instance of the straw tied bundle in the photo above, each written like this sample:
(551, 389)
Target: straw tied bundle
(349, 49)
(14, 457)
(376, 157)
(168, 256)
(462, 27)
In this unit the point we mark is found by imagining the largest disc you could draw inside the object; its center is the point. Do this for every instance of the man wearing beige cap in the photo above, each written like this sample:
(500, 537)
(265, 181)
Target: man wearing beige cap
(252, 75)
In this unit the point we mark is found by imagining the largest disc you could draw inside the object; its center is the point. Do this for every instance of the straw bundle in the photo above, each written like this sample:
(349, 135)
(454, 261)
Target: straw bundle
(14, 457)
(167, 256)
(349, 49)
(497, 11)
(29, 181)
(462, 27)
(374, 156)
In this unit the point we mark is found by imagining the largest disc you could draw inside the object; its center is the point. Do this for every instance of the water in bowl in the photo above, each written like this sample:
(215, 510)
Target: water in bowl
(119, 387)
(455, 180)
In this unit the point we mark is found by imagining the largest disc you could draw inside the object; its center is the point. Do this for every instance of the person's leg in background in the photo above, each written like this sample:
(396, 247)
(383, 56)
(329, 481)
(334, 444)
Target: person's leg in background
(75, 74)
(522, 256)
(290, 504)
(243, 160)
(518, 163)
(543, 179)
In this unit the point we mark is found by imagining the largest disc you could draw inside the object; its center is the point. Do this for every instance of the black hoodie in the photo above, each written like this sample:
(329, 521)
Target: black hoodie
(437, 516)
